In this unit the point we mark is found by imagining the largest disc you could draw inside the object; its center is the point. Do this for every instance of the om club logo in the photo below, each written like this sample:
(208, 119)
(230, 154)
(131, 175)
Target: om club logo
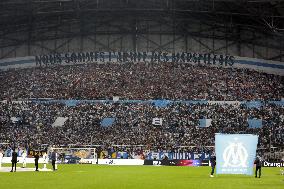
(235, 155)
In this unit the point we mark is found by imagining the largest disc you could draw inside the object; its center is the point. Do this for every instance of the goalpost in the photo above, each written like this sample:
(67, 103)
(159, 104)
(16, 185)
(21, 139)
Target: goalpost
(75, 155)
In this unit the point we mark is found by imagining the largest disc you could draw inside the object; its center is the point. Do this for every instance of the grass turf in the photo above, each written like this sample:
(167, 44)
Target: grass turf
(156, 177)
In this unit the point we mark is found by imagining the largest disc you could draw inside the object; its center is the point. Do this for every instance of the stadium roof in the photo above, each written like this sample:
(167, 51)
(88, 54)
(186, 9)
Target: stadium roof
(45, 19)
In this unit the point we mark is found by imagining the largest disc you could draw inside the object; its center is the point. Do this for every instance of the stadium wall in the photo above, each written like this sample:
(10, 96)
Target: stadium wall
(20, 160)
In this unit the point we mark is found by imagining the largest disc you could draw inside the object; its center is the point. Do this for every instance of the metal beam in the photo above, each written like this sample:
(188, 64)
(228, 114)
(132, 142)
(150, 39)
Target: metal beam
(276, 57)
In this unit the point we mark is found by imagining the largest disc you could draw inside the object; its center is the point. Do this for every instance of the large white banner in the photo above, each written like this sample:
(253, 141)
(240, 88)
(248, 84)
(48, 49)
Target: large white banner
(235, 153)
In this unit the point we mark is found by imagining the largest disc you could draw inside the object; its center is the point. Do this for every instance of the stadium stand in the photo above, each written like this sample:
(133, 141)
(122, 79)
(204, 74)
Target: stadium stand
(133, 124)
(140, 81)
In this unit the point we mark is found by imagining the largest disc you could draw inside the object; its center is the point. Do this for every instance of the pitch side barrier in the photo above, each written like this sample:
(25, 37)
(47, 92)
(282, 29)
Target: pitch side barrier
(89, 155)
(178, 162)
(273, 163)
(191, 163)
(20, 160)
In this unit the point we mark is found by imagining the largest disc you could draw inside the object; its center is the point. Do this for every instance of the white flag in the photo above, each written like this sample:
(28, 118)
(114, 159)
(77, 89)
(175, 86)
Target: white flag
(157, 121)
(59, 122)
(15, 119)
(115, 98)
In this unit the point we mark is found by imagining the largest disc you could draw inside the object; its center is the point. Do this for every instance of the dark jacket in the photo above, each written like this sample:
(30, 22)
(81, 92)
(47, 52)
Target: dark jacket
(36, 158)
(213, 161)
(258, 162)
(14, 157)
(53, 156)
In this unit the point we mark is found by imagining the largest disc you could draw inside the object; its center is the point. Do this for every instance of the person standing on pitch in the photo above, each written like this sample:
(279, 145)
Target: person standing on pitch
(213, 164)
(53, 159)
(45, 160)
(14, 160)
(258, 162)
(36, 160)
(1, 157)
(56, 158)
(24, 156)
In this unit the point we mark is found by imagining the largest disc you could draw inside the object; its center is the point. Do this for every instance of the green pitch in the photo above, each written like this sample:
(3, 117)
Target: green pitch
(113, 177)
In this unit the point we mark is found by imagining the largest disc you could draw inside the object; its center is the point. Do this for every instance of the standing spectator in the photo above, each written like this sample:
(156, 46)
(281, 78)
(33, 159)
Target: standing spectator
(45, 160)
(213, 164)
(258, 162)
(14, 160)
(36, 160)
(53, 159)
(1, 157)
(24, 156)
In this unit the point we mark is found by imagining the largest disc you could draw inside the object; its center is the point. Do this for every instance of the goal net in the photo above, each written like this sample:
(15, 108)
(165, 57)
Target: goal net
(75, 155)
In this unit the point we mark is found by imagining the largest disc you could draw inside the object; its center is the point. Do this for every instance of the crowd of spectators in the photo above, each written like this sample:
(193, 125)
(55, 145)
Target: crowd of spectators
(133, 124)
(133, 121)
(140, 81)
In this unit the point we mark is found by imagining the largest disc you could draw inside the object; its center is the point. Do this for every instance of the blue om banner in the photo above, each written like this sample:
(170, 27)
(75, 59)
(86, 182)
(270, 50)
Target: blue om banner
(235, 153)
(107, 122)
(255, 123)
